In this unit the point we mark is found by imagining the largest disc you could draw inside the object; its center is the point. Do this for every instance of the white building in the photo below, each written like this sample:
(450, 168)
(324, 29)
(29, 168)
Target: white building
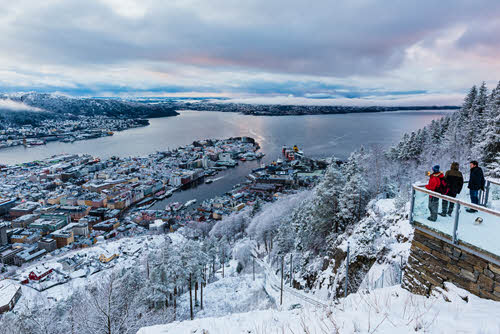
(158, 226)
(10, 293)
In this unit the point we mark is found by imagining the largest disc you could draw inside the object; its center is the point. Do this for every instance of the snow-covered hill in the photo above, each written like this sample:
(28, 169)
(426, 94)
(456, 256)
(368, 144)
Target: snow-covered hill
(378, 245)
(61, 105)
(388, 310)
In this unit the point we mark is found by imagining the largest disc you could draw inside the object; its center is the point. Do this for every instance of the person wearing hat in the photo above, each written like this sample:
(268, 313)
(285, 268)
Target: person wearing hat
(437, 184)
(454, 182)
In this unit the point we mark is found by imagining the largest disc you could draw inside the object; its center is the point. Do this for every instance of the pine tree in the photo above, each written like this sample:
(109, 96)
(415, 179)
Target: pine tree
(489, 144)
(327, 198)
(404, 148)
(481, 98)
(452, 139)
(414, 147)
(469, 99)
(475, 123)
(464, 133)
(354, 193)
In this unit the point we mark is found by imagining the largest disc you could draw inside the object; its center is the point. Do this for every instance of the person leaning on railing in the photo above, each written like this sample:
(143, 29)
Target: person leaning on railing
(476, 183)
(454, 182)
(436, 184)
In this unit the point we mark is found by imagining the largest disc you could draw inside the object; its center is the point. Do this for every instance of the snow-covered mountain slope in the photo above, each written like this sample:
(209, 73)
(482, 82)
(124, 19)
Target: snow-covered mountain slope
(90, 106)
(378, 244)
(387, 310)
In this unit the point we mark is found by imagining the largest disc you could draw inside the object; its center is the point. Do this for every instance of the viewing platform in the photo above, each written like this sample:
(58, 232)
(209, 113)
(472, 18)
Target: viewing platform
(463, 248)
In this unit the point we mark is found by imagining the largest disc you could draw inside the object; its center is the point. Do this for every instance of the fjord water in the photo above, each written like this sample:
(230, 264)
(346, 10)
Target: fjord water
(316, 135)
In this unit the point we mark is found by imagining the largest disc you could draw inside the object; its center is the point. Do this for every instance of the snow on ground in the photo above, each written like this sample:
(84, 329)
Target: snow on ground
(388, 310)
(231, 294)
(384, 236)
(484, 235)
(396, 239)
(129, 250)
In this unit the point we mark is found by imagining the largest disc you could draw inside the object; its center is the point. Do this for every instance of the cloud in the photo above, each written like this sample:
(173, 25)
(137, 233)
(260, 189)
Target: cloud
(8, 104)
(482, 37)
(322, 38)
(349, 48)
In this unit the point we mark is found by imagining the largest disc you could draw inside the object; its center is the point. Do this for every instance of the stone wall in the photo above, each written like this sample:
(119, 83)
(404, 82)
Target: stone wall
(433, 261)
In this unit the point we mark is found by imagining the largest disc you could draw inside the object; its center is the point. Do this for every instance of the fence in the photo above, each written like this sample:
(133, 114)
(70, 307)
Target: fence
(390, 276)
(477, 227)
(491, 192)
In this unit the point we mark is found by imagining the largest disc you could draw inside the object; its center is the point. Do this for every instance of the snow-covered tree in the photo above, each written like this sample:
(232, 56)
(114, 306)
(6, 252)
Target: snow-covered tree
(107, 309)
(243, 251)
(232, 226)
(489, 144)
(209, 247)
(224, 252)
(264, 226)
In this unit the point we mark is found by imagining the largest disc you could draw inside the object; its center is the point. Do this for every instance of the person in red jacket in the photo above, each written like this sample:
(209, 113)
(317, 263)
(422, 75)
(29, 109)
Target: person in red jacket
(436, 184)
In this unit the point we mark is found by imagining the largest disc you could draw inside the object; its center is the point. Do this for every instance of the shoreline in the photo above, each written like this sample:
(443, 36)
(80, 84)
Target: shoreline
(298, 110)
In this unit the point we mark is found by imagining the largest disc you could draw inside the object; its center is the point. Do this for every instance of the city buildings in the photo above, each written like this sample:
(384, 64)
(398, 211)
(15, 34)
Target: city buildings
(73, 201)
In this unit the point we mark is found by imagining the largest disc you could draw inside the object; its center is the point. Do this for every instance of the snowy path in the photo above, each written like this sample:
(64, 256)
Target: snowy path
(275, 284)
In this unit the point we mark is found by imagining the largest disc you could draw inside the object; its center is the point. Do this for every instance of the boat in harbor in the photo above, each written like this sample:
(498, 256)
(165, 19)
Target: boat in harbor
(226, 163)
(68, 140)
(210, 172)
(164, 195)
(37, 142)
(176, 206)
(190, 202)
(160, 195)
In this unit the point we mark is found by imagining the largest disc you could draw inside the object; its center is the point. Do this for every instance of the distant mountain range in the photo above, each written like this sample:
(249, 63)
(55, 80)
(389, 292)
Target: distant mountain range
(66, 106)
(31, 108)
(284, 110)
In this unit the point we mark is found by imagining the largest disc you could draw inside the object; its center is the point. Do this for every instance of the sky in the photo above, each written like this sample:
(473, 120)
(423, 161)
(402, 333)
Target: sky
(356, 52)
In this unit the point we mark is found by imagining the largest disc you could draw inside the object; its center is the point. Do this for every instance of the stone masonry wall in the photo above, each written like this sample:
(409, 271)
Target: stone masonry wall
(433, 261)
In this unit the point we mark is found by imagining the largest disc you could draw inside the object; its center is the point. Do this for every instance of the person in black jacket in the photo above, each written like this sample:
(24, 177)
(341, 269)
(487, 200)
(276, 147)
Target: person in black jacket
(454, 181)
(476, 183)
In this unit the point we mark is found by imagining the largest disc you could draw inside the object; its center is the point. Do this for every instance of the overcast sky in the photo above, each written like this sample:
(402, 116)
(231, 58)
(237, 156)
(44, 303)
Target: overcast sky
(345, 52)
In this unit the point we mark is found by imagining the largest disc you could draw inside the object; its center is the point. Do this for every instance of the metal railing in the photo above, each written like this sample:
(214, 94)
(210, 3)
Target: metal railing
(490, 184)
(481, 237)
